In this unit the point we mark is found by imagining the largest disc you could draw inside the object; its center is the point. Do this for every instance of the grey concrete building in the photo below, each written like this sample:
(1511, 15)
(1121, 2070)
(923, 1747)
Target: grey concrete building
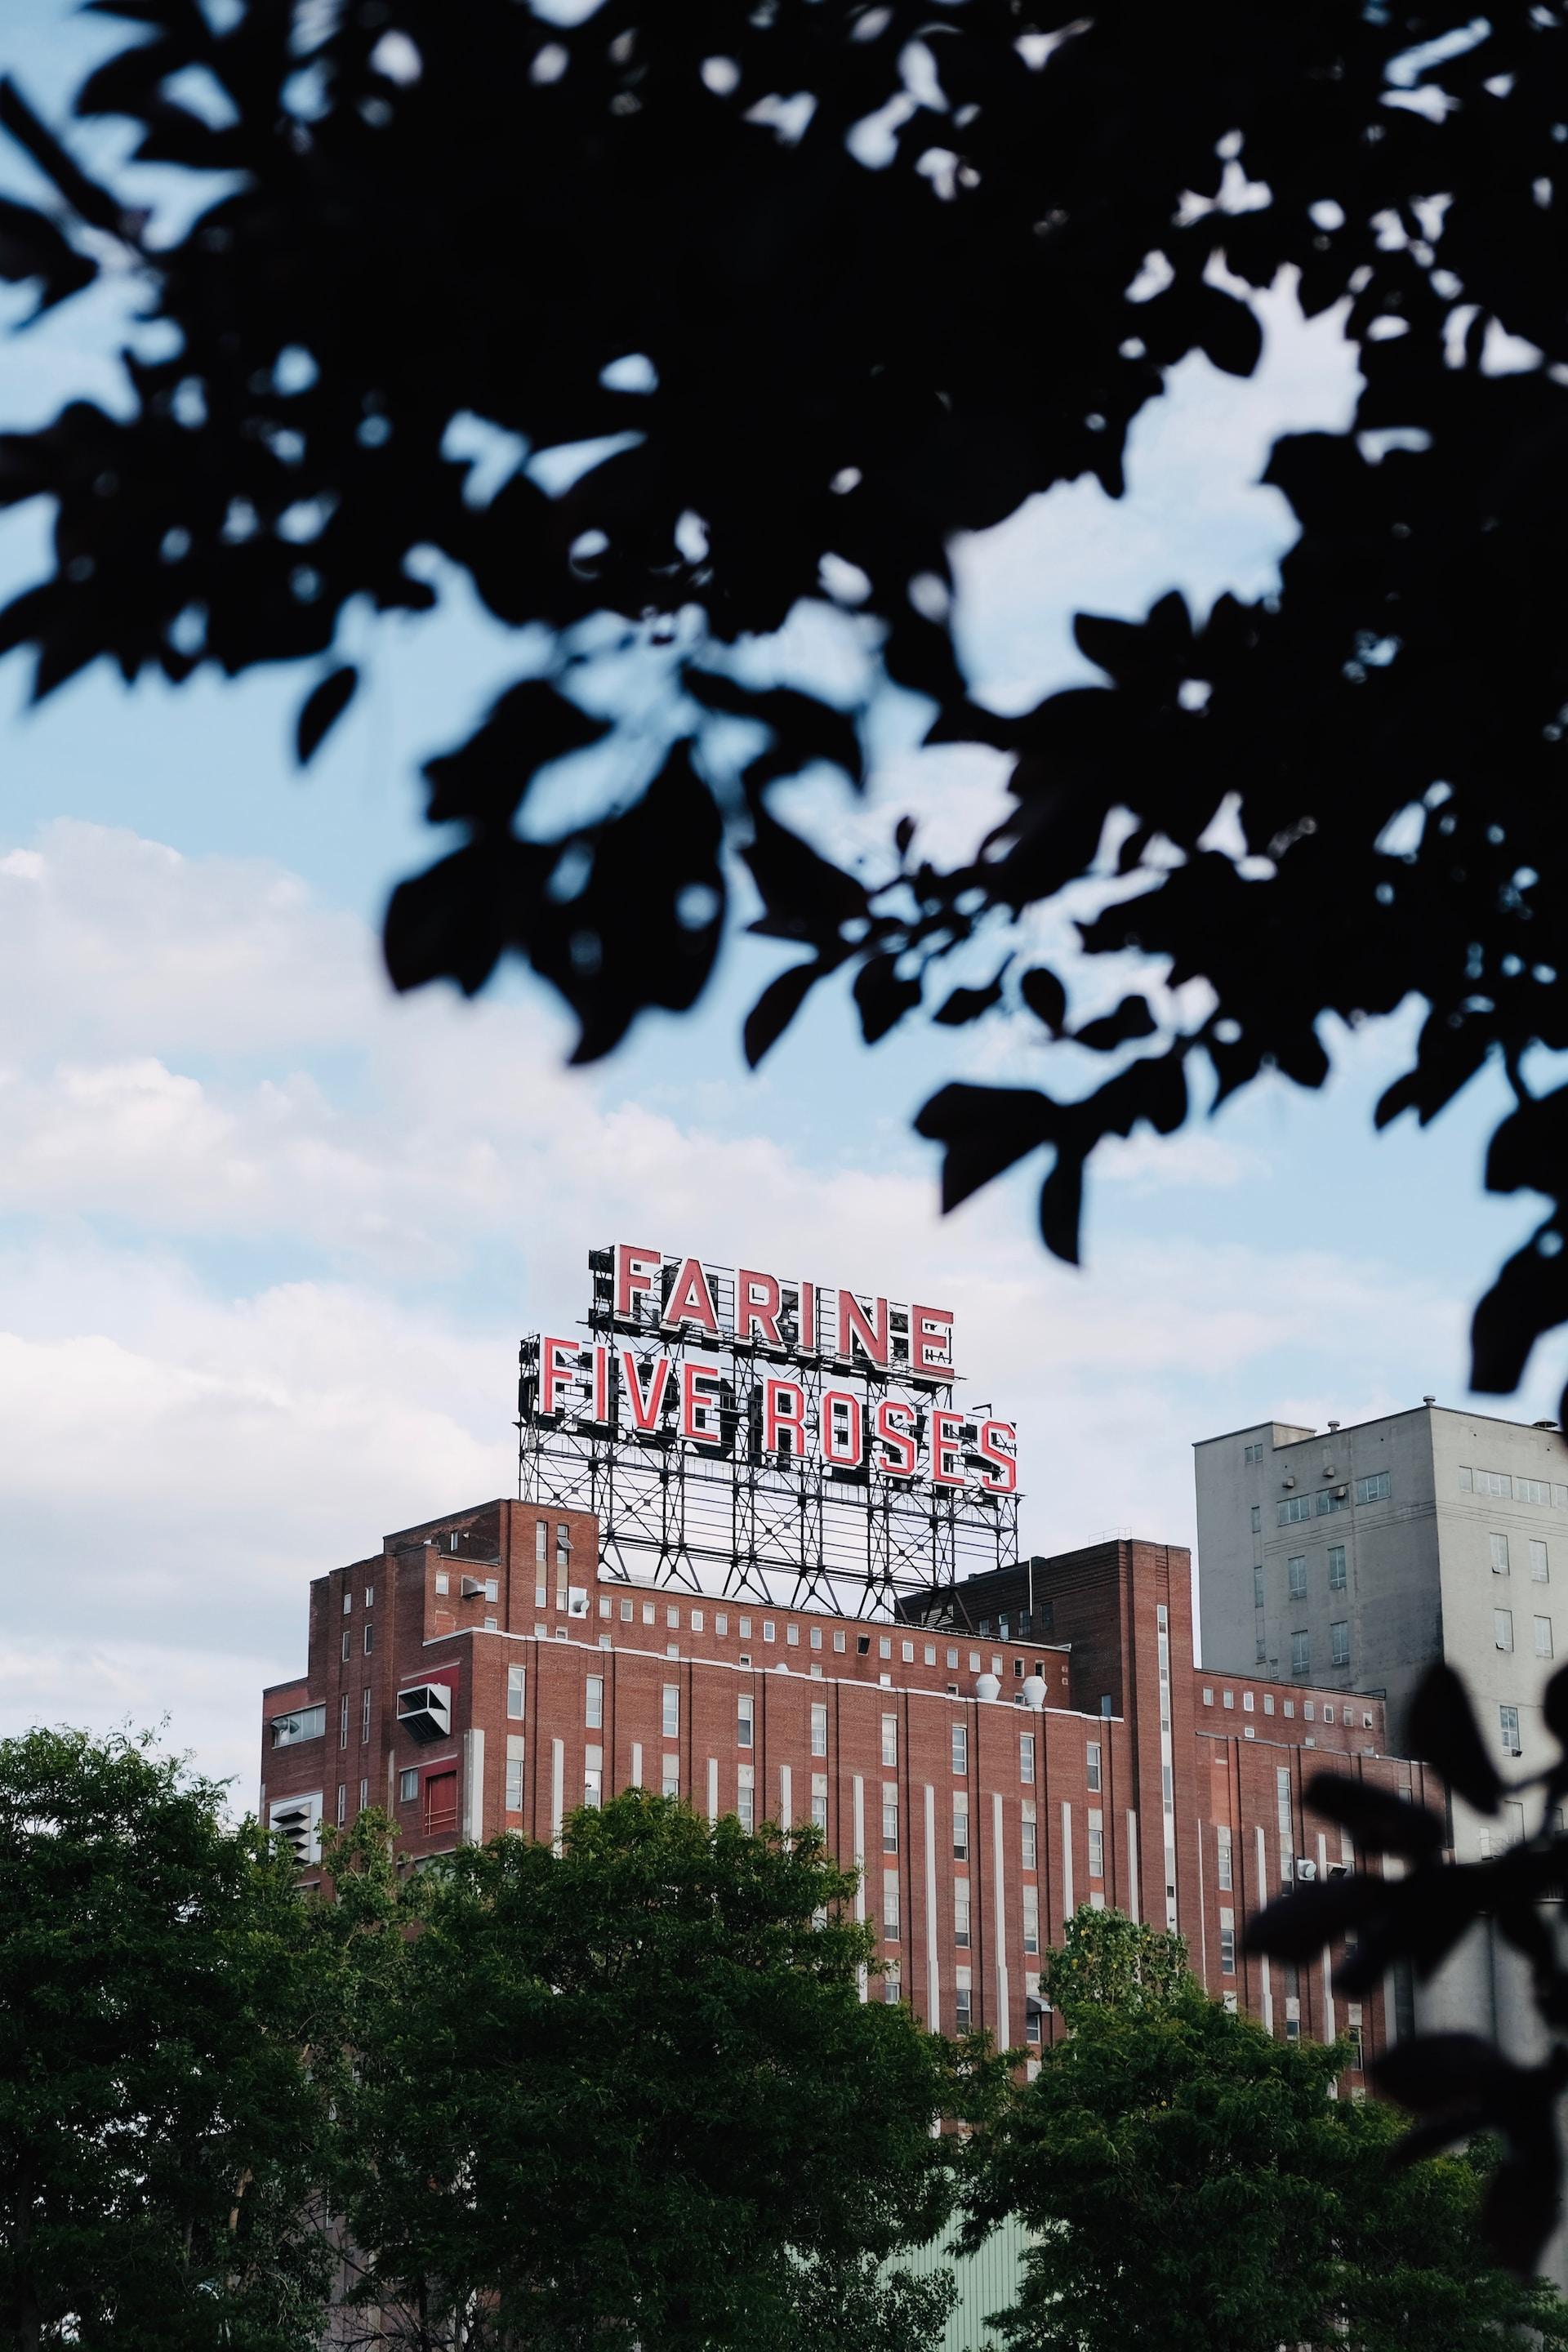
(1351, 1559)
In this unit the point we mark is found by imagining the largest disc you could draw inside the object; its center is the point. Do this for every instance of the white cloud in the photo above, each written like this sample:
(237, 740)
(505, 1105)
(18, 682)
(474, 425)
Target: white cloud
(257, 1313)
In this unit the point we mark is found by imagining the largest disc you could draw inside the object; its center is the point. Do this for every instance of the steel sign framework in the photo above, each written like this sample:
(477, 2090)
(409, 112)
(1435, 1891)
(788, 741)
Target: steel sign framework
(768, 1503)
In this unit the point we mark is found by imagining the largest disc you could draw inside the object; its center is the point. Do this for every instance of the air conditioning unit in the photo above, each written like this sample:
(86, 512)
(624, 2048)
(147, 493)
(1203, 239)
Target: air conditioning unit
(299, 1818)
(1290, 1481)
(1304, 1868)
(1342, 1492)
(576, 1601)
(471, 1588)
(1339, 1870)
(425, 1712)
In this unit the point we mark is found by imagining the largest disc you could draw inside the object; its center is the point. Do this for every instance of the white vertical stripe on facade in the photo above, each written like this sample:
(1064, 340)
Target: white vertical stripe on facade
(787, 1797)
(1203, 1913)
(858, 1786)
(1262, 1899)
(557, 1790)
(933, 1982)
(1132, 1862)
(635, 1780)
(473, 1831)
(712, 1790)
(1067, 1905)
(1004, 2027)
(1328, 1955)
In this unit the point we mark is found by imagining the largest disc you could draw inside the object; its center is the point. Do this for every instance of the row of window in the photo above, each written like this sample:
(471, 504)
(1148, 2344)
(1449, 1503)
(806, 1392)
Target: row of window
(1376, 1488)
(348, 1598)
(1502, 1632)
(1296, 1575)
(696, 1620)
(1499, 1484)
(1502, 1563)
(1308, 1706)
(1301, 1653)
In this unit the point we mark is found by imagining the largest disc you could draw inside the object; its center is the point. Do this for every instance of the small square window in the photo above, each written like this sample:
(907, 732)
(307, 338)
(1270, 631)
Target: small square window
(443, 1581)
(408, 1784)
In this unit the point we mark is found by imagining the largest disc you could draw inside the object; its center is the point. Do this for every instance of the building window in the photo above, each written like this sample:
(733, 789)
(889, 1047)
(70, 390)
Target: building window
(1507, 1725)
(1222, 1851)
(441, 1804)
(305, 1723)
(961, 1825)
(1532, 1490)
(962, 2010)
(891, 1992)
(1466, 1479)
(1253, 1452)
(1353, 2027)
(1257, 1518)
(1227, 1698)
(960, 1913)
(768, 1629)
(594, 1710)
(348, 1602)
(1091, 1774)
(1267, 1702)
(1330, 1498)
(1227, 1943)
(1096, 1845)
(408, 1784)
(1026, 1756)
(364, 1717)
(1031, 1836)
(745, 1726)
(838, 1638)
(515, 1687)
(889, 1739)
(890, 1821)
(594, 1778)
(1538, 1574)
(1031, 1918)
(1208, 1694)
(343, 1803)
(562, 1546)
(960, 1749)
(1294, 1509)
(669, 1778)
(1247, 1702)
(347, 1638)
(890, 1906)
(1502, 1628)
(1336, 1568)
(1258, 1588)
(669, 1719)
(746, 1796)
(1339, 1648)
(1375, 1489)
(1543, 1637)
(514, 1759)
(541, 1540)
(443, 1581)
(819, 1801)
(1499, 1555)
(1301, 1654)
(1296, 1575)
(819, 1731)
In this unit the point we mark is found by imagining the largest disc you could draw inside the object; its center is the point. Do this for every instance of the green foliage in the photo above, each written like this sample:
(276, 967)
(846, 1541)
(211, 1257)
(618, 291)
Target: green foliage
(627, 2089)
(161, 2131)
(1107, 1960)
(1195, 2188)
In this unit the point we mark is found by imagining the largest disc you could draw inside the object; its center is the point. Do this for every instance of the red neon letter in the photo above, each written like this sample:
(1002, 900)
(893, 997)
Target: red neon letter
(694, 1400)
(645, 1410)
(993, 1450)
(809, 1318)
(784, 1412)
(854, 1326)
(898, 1458)
(601, 1384)
(557, 1370)
(757, 1306)
(692, 1301)
(944, 1439)
(933, 1339)
(848, 1456)
(635, 1271)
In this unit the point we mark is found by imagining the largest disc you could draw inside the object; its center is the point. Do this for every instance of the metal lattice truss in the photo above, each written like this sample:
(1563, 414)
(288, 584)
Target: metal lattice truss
(735, 1522)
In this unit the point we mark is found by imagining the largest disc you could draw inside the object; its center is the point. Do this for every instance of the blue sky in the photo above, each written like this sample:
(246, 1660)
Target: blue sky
(268, 1237)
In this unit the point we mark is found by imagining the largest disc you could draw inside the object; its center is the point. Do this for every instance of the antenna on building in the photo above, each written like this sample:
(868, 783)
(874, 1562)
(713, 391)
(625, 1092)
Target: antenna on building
(1333, 1425)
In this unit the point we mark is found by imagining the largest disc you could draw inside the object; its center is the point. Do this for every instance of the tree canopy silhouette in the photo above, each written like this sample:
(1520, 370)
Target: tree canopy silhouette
(757, 304)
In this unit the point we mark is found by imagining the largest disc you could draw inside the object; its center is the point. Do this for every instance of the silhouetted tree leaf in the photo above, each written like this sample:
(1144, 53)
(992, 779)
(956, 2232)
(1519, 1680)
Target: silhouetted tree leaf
(321, 710)
(1046, 997)
(1130, 1019)
(1443, 1732)
(883, 996)
(776, 1007)
(1375, 1817)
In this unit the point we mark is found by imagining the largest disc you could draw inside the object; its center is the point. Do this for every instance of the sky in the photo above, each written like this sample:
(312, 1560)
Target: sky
(269, 1236)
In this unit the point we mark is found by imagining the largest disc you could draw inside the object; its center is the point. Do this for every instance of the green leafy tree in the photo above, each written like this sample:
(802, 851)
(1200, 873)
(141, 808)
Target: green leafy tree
(162, 2125)
(630, 2090)
(1107, 1960)
(1197, 2188)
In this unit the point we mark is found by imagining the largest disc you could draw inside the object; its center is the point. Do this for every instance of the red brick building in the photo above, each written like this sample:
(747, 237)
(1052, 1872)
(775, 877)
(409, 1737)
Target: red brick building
(477, 1674)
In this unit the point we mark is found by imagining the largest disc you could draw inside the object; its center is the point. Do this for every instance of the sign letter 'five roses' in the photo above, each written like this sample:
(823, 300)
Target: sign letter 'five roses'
(795, 1321)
